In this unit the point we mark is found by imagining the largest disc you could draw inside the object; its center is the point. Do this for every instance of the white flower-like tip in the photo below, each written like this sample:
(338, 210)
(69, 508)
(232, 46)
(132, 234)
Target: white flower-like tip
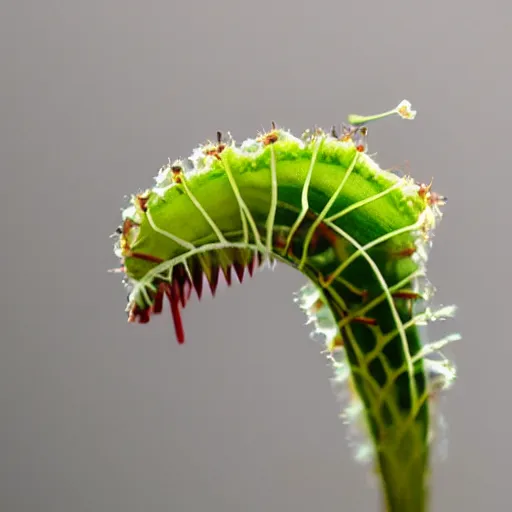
(404, 110)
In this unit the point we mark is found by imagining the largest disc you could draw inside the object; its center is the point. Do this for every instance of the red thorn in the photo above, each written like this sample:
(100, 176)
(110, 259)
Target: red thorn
(214, 279)
(176, 316)
(179, 278)
(250, 264)
(239, 270)
(186, 290)
(159, 299)
(197, 279)
(227, 274)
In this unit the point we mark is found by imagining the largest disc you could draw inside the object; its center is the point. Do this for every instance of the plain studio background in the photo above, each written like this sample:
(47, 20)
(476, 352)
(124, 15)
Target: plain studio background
(101, 416)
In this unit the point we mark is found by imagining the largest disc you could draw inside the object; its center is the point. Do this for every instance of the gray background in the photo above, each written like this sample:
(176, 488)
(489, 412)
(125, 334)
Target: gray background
(101, 416)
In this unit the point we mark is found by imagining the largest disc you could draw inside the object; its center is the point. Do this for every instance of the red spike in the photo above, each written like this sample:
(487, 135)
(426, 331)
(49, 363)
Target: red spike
(227, 274)
(239, 270)
(177, 289)
(214, 279)
(178, 280)
(159, 299)
(187, 284)
(186, 290)
(178, 325)
(250, 264)
(197, 278)
(176, 316)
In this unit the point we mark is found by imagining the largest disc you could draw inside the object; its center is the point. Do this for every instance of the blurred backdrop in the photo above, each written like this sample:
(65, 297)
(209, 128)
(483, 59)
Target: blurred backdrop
(101, 416)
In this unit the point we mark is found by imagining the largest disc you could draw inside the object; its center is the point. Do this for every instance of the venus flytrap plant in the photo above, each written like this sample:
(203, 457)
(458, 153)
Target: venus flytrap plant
(360, 234)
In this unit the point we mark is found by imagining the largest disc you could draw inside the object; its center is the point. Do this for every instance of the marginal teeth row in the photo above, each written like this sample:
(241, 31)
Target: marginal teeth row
(190, 276)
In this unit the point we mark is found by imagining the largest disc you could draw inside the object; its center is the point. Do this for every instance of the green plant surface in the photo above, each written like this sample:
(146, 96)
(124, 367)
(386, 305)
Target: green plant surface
(359, 234)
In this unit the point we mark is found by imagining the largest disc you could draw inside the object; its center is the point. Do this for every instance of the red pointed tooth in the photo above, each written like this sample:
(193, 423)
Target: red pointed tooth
(180, 292)
(178, 324)
(176, 315)
(159, 299)
(190, 288)
(197, 278)
(239, 270)
(187, 290)
(177, 291)
(227, 274)
(177, 272)
(178, 279)
(259, 255)
(250, 264)
(188, 285)
(214, 279)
